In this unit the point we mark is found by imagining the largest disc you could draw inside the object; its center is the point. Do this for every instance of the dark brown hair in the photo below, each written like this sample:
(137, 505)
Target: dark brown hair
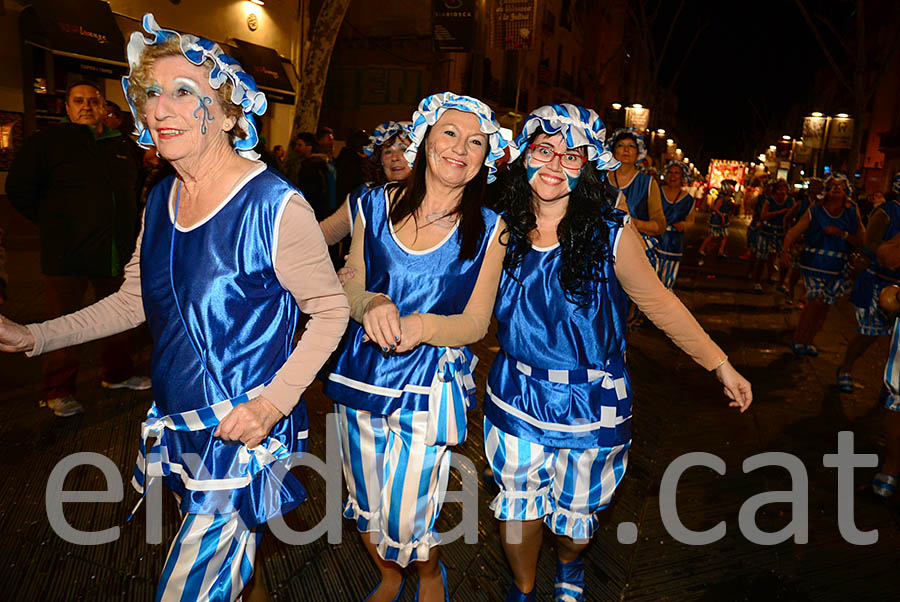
(411, 193)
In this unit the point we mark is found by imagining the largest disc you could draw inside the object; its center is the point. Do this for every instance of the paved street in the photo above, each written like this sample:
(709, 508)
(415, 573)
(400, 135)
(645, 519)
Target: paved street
(677, 409)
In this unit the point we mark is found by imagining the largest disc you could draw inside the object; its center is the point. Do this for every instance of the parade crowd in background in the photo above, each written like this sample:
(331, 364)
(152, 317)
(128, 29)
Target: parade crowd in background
(563, 234)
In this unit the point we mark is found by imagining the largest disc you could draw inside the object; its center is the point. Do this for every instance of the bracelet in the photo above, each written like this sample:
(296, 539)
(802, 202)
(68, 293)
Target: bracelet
(720, 364)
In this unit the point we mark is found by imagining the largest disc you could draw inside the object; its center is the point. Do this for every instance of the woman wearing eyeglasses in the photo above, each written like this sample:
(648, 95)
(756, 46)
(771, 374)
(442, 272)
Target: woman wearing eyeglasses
(557, 413)
(640, 192)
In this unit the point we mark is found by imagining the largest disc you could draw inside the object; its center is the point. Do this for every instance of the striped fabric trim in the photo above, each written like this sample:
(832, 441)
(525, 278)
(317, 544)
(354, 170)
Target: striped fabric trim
(892, 371)
(157, 463)
(574, 377)
(608, 418)
(817, 251)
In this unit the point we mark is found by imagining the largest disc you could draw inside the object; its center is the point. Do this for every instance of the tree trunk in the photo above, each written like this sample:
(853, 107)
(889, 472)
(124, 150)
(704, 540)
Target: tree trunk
(314, 71)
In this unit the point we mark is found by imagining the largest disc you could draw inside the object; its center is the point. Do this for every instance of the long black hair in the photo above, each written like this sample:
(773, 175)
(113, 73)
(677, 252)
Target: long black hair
(583, 232)
(411, 193)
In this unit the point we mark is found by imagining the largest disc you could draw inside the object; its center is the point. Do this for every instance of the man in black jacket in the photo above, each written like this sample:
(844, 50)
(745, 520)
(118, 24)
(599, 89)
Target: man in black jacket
(78, 182)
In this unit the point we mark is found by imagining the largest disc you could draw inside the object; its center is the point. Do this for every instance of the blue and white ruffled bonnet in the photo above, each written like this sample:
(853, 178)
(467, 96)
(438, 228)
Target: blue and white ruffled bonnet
(685, 170)
(632, 132)
(432, 107)
(244, 92)
(578, 126)
(384, 132)
(837, 178)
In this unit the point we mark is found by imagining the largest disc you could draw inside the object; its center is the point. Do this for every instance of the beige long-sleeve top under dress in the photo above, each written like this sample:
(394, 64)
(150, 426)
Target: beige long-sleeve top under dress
(303, 268)
(633, 270)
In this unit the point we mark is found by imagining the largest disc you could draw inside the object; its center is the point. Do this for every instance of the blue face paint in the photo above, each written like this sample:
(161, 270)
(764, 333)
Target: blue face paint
(572, 181)
(154, 90)
(531, 171)
(202, 112)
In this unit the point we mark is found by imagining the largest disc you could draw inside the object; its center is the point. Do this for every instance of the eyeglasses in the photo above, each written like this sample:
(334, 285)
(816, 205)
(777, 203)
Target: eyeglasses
(545, 154)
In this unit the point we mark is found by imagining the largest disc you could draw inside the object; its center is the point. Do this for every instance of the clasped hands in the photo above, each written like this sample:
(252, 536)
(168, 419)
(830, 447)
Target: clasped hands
(386, 328)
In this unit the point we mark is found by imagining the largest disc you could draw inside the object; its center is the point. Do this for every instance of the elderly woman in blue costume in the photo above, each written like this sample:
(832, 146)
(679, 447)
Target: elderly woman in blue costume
(557, 423)
(425, 260)
(386, 148)
(640, 196)
(228, 257)
(677, 204)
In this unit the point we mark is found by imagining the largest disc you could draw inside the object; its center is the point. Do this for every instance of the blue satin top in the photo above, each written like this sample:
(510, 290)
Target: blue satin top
(726, 209)
(432, 281)
(672, 241)
(229, 330)
(636, 194)
(824, 254)
(560, 377)
(876, 276)
(353, 203)
(775, 225)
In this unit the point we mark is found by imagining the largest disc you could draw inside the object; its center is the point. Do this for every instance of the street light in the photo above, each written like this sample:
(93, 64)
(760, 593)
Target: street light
(661, 132)
(637, 105)
(616, 106)
(771, 147)
(785, 137)
(669, 141)
(816, 114)
(842, 115)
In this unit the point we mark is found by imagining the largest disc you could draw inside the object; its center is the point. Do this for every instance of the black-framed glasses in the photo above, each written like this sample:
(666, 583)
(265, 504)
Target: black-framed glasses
(567, 160)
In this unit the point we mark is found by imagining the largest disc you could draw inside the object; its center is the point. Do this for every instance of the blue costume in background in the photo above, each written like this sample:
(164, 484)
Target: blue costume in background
(871, 319)
(671, 246)
(637, 197)
(825, 259)
(771, 236)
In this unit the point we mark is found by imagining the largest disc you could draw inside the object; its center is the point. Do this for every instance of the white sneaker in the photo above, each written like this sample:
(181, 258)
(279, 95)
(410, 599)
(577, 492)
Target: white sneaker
(135, 383)
(64, 406)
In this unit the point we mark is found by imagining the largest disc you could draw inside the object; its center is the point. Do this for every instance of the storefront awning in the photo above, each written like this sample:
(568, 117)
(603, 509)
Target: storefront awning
(265, 66)
(84, 32)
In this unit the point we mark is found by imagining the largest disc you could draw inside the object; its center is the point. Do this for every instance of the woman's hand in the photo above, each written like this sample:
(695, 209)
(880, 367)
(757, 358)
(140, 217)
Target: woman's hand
(14, 337)
(382, 323)
(737, 388)
(410, 333)
(344, 274)
(249, 422)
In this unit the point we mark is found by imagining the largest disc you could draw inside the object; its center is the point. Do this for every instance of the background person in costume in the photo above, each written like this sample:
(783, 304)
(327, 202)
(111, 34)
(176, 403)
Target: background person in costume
(228, 257)
(771, 237)
(425, 262)
(640, 192)
(872, 321)
(830, 230)
(386, 147)
(677, 204)
(714, 243)
(558, 405)
(812, 197)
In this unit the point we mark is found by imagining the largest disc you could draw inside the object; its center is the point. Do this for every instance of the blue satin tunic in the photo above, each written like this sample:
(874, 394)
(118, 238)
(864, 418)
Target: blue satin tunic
(636, 194)
(236, 319)
(672, 241)
(876, 276)
(826, 255)
(547, 385)
(432, 281)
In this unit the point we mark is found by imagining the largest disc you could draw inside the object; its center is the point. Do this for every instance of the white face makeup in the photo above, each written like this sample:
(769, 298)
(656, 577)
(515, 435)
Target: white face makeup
(392, 160)
(182, 110)
(551, 181)
(455, 148)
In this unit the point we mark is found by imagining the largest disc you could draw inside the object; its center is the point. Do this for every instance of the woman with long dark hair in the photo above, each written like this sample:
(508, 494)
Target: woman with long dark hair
(425, 260)
(558, 415)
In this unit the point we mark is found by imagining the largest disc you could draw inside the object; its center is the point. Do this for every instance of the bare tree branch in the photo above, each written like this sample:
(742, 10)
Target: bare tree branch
(827, 23)
(662, 53)
(838, 73)
(687, 53)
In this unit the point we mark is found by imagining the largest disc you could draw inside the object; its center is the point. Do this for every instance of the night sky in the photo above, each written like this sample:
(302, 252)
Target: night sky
(765, 57)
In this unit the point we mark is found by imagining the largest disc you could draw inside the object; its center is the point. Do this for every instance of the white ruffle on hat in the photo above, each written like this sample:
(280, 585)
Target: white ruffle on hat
(836, 178)
(632, 132)
(579, 127)
(384, 132)
(244, 92)
(432, 107)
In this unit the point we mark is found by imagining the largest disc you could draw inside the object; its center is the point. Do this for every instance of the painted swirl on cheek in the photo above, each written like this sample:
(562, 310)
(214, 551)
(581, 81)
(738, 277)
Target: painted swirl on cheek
(201, 113)
(531, 171)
